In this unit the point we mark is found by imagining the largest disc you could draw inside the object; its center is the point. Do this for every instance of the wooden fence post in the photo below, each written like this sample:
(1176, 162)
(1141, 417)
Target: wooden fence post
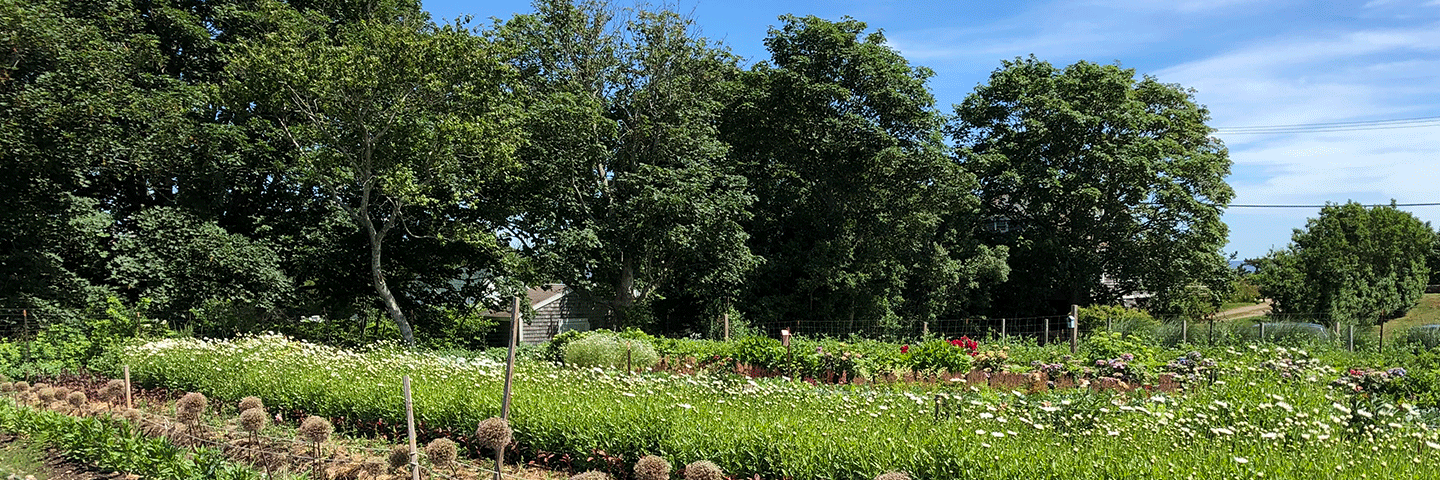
(128, 403)
(1074, 329)
(1047, 332)
(1184, 330)
(1002, 328)
(509, 379)
(410, 427)
(1351, 343)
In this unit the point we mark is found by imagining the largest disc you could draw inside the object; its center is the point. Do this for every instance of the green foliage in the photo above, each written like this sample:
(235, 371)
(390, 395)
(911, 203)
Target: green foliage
(1245, 290)
(1108, 346)
(855, 432)
(1115, 318)
(939, 356)
(623, 197)
(116, 445)
(609, 350)
(1351, 265)
(858, 213)
(1096, 174)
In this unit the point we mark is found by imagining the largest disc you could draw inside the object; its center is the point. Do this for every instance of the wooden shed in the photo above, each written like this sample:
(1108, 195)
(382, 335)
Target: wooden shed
(557, 308)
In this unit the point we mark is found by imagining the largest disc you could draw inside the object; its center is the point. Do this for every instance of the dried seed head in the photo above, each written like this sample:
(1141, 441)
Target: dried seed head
(316, 429)
(250, 402)
(114, 389)
(190, 407)
(61, 393)
(133, 415)
(22, 386)
(46, 394)
(591, 475)
(893, 476)
(254, 420)
(373, 466)
(703, 470)
(399, 457)
(41, 385)
(7, 387)
(441, 452)
(76, 399)
(494, 433)
(651, 467)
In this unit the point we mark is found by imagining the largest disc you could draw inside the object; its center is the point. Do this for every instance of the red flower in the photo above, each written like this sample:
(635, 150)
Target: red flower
(904, 349)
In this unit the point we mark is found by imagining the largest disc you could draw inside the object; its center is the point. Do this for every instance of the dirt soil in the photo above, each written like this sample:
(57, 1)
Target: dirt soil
(1249, 311)
(54, 466)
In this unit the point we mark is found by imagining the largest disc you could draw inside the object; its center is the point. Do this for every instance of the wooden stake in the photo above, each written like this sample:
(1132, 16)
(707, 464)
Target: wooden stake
(509, 378)
(1074, 329)
(410, 425)
(128, 403)
(1184, 330)
(1002, 328)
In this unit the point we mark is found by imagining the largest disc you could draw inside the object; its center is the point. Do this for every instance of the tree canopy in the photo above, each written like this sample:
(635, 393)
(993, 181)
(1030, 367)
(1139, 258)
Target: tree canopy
(1100, 183)
(1350, 265)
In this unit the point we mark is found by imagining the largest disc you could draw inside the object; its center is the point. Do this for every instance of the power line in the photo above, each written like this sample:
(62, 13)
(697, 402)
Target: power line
(1417, 122)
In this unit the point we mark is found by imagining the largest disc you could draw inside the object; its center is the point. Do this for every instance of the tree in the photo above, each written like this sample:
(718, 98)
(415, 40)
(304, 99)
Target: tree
(859, 214)
(622, 198)
(385, 117)
(1100, 183)
(1350, 265)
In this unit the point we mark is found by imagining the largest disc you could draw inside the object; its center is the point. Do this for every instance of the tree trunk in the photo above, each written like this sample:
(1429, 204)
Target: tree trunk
(624, 295)
(391, 306)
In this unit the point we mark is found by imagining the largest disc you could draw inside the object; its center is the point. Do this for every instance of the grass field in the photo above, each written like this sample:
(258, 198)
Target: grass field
(1427, 312)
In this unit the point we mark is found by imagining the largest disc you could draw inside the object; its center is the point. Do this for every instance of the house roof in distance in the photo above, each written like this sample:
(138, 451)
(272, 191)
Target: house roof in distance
(539, 297)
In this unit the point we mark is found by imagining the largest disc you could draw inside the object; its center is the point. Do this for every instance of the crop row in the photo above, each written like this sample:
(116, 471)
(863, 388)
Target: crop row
(1246, 424)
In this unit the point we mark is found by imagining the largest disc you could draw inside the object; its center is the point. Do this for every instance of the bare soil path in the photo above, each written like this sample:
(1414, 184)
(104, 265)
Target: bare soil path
(1247, 311)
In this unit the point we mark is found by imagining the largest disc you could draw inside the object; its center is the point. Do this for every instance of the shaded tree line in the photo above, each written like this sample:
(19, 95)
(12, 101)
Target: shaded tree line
(243, 163)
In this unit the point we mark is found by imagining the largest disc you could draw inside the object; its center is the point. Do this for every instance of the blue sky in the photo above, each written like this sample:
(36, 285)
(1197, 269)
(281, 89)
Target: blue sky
(1253, 63)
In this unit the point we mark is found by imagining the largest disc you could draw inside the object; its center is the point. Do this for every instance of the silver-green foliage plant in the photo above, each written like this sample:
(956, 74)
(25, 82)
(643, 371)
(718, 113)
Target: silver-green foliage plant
(611, 351)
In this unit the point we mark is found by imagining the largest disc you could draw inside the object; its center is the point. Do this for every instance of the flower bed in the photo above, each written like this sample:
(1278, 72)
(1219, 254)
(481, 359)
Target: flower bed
(1239, 427)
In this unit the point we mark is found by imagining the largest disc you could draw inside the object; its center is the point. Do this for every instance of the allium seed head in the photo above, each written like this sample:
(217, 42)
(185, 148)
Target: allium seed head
(46, 394)
(399, 457)
(441, 452)
(651, 467)
(250, 402)
(61, 393)
(254, 420)
(316, 429)
(41, 385)
(494, 433)
(703, 470)
(373, 466)
(133, 415)
(22, 386)
(591, 475)
(114, 389)
(893, 476)
(76, 399)
(7, 387)
(190, 407)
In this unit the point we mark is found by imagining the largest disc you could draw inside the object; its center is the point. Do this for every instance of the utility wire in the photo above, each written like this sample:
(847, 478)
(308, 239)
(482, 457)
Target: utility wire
(1362, 125)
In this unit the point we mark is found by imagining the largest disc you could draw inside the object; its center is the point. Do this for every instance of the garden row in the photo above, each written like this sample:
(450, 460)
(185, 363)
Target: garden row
(1326, 418)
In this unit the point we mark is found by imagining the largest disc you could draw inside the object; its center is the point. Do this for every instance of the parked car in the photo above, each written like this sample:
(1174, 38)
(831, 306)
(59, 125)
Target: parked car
(1279, 330)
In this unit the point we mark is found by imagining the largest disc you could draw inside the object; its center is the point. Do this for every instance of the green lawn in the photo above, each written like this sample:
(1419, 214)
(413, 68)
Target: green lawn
(1427, 312)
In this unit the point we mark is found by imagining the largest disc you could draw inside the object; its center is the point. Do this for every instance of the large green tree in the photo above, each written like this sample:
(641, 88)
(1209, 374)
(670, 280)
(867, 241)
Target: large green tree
(386, 118)
(1101, 184)
(859, 213)
(1351, 265)
(621, 195)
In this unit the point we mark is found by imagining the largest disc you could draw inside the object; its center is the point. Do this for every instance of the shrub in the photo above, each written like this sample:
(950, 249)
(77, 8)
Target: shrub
(609, 350)
(939, 356)
(1126, 321)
